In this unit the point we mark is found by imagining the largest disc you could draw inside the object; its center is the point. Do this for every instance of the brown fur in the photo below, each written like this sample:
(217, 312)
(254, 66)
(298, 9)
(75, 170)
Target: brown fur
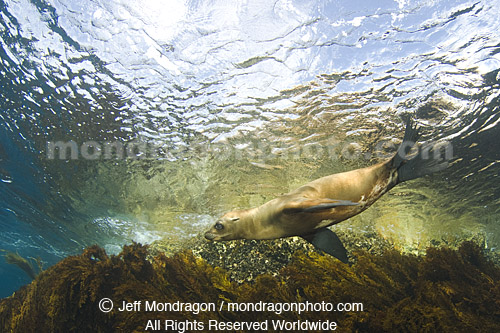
(285, 215)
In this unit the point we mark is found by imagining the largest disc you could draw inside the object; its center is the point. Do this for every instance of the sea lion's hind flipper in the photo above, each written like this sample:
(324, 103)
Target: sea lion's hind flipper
(326, 240)
(420, 164)
(315, 205)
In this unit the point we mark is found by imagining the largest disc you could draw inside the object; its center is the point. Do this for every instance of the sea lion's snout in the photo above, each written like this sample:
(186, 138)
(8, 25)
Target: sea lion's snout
(209, 235)
(223, 229)
(215, 232)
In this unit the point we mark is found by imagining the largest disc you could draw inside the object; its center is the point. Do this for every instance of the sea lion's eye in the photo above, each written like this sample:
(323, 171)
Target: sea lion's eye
(219, 226)
(234, 219)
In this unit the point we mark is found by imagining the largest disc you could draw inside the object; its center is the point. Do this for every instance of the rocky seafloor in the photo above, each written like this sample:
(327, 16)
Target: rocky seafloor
(246, 259)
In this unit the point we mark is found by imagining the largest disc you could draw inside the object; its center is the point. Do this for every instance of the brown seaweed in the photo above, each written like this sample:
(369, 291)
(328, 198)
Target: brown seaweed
(446, 290)
(23, 263)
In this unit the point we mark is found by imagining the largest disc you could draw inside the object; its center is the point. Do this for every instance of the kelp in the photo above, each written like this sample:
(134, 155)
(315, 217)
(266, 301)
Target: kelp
(26, 265)
(446, 290)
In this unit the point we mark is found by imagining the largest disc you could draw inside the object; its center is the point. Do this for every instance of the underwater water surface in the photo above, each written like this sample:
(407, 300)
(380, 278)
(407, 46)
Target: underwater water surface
(145, 120)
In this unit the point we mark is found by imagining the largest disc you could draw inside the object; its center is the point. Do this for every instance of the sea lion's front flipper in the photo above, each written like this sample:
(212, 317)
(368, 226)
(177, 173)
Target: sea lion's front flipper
(326, 240)
(315, 205)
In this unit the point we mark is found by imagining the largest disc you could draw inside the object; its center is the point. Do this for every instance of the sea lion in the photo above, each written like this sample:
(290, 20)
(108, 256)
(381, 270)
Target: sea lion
(308, 210)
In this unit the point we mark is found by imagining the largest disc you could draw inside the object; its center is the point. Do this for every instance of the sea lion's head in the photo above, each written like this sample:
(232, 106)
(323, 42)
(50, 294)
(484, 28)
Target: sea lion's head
(228, 227)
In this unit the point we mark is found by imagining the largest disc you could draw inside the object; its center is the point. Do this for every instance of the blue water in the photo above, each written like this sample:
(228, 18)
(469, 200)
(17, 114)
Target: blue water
(181, 79)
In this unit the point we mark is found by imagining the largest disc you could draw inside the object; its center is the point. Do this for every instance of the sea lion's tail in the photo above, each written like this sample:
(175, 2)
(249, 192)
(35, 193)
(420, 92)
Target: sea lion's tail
(414, 165)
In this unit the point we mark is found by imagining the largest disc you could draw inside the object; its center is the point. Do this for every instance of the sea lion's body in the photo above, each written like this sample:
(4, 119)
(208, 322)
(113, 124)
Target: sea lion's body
(308, 210)
(285, 215)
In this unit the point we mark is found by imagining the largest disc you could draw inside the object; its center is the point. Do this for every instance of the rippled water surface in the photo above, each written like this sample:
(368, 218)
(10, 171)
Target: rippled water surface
(174, 112)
